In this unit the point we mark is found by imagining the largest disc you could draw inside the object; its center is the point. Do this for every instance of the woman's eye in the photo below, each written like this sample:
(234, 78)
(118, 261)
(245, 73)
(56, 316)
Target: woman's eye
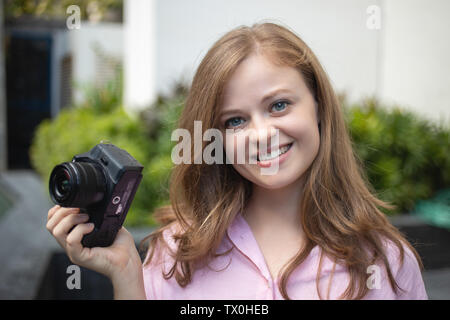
(279, 106)
(233, 122)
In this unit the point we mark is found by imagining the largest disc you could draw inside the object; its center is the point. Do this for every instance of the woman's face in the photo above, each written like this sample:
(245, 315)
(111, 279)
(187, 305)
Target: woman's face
(263, 101)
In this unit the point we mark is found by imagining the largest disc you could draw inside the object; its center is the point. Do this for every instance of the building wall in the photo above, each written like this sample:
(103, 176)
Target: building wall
(416, 49)
(335, 30)
(106, 36)
(404, 62)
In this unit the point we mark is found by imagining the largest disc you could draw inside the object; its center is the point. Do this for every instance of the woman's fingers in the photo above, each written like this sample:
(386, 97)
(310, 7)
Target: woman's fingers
(68, 226)
(74, 247)
(62, 220)
(52, 211)
(67, 223)
(58, 215)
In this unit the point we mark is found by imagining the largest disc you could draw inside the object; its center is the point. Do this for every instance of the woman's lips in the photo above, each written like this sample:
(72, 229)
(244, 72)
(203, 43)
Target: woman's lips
(281, 158)
(269, 150)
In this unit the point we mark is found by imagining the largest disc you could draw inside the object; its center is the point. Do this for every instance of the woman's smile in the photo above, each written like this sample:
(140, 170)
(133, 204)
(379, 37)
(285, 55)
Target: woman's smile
(280, 155)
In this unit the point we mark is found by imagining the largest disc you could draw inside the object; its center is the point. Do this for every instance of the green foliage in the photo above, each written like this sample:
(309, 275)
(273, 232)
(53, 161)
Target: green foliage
(78, 129)
(57, 8)
(160, 121)
(406, 158)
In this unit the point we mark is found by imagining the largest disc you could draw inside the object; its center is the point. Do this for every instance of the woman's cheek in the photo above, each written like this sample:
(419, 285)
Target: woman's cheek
(234, 145)
(308, 138)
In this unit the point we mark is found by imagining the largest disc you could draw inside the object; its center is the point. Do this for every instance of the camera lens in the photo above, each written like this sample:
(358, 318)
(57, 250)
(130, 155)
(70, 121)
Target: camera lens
(77, 184)
(62, 183)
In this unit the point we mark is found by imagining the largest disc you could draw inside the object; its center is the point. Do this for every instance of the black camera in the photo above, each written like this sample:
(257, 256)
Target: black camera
(102, 182)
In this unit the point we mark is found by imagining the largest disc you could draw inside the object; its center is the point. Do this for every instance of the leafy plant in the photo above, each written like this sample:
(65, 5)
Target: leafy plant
(101, 117)
(406, 157)
(57, 8)
(77, 130)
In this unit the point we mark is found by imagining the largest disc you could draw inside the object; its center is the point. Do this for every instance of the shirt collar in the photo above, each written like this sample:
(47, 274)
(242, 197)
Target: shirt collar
(242, 237)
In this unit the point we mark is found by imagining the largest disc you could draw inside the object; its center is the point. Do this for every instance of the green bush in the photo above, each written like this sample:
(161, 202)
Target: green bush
(406, 158)
(78, 129)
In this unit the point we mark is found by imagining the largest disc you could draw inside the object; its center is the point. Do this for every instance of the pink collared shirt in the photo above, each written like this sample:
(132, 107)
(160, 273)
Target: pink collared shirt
(243, 274)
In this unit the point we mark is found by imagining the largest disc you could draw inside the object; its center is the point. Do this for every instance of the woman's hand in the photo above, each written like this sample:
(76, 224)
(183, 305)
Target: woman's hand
(120, 262)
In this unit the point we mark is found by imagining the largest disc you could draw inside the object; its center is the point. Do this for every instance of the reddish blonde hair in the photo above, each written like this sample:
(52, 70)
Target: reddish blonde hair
(339, 209)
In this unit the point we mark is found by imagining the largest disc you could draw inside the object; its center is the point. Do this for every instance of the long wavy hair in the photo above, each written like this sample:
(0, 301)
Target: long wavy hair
(339, 212)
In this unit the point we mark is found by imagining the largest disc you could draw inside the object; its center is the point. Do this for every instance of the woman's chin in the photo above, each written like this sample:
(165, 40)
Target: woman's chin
(276, 181)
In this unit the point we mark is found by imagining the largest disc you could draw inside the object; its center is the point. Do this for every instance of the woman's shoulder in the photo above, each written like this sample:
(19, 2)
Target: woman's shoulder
(405, 269)
(159, 260)
(400, 256)
(165, 242)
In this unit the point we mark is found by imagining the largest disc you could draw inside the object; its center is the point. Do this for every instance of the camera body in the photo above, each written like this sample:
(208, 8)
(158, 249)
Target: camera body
(103, 183)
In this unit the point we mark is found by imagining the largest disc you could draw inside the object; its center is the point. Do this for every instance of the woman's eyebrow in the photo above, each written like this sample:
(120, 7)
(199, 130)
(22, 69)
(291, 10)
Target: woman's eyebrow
(264, 99)
(274, 93)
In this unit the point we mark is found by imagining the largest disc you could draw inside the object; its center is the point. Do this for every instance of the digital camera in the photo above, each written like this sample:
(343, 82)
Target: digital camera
(102, 182)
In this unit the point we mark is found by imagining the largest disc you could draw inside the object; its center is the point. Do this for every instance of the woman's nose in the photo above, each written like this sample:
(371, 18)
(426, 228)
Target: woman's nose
(263, 134)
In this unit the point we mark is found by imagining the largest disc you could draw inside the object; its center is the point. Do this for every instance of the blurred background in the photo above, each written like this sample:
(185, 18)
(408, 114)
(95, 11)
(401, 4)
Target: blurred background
(73, 73)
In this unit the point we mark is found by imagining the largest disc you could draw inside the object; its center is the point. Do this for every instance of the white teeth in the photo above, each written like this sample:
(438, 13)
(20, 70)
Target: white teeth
(270, 156)
(274, 153)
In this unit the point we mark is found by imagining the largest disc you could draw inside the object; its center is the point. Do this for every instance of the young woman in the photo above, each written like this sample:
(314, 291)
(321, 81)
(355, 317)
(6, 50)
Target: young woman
(311, 230)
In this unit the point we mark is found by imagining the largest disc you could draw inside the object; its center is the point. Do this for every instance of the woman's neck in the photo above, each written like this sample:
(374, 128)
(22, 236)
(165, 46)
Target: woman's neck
(275, 209)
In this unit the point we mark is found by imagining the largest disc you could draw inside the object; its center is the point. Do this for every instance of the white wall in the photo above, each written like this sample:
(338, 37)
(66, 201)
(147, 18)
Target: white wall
(139, 53)
(109, 36)
(335, 30)
(403, 62)
(416, 51)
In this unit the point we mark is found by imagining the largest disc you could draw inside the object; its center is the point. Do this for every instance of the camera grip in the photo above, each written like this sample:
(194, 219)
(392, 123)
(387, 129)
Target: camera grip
(105, 230)
(103, 236)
